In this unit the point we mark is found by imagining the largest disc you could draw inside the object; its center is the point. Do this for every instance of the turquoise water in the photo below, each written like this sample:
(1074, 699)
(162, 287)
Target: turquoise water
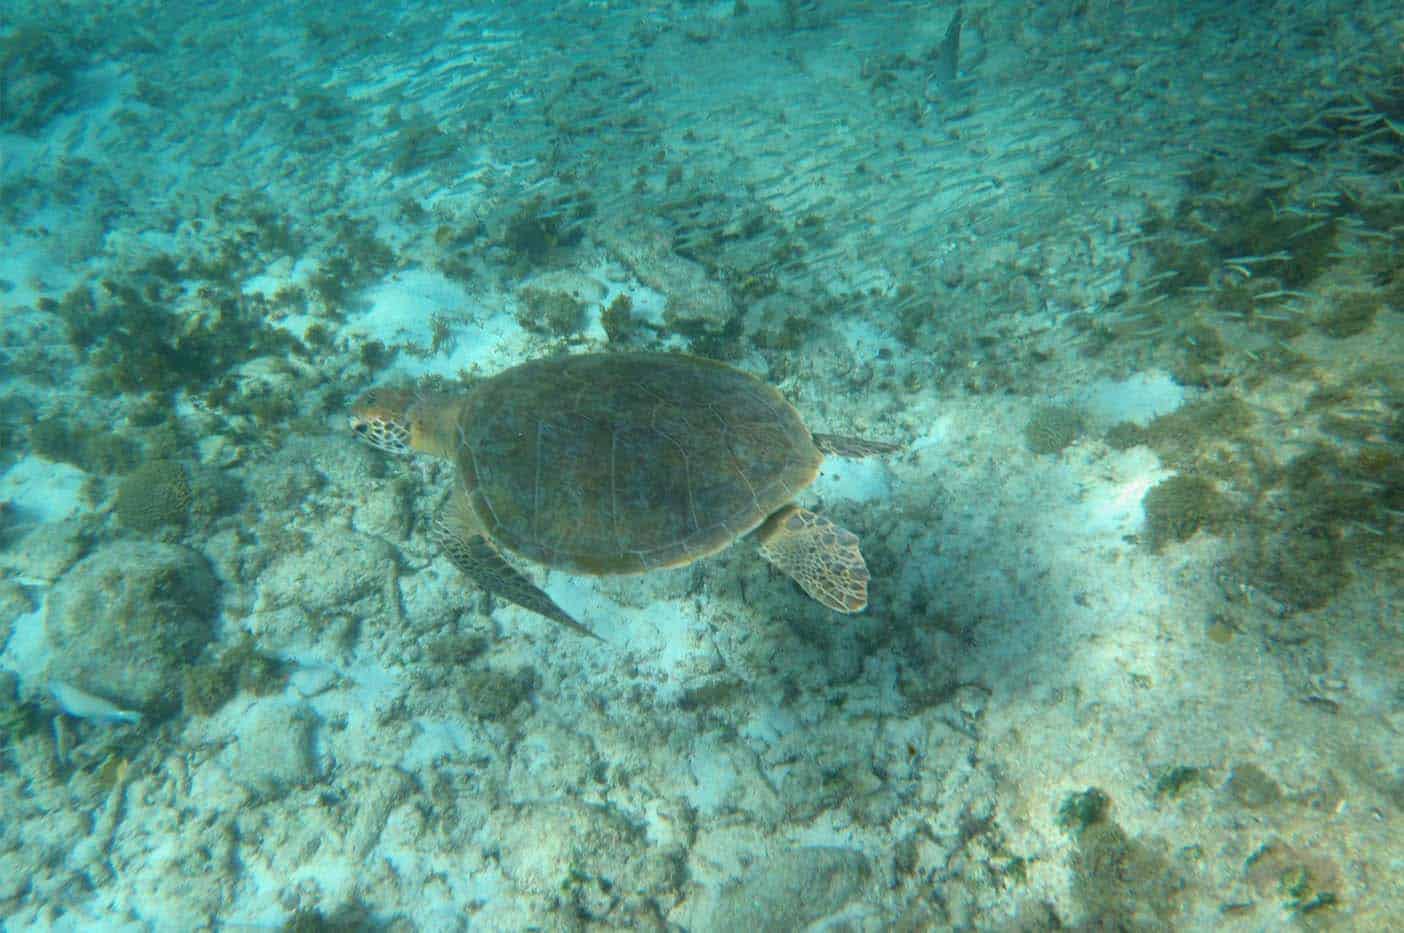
(1120, 280)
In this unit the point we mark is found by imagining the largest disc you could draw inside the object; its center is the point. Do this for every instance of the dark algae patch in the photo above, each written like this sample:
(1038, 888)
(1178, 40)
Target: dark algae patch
(1302, 882)
(1120, 883)
(64, 439)
(1177, 780)
(1079, 811)
(1250, 786)
(1180, 506)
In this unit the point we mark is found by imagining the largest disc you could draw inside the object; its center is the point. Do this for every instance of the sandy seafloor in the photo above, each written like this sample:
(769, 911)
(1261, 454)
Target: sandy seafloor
(1125, 282)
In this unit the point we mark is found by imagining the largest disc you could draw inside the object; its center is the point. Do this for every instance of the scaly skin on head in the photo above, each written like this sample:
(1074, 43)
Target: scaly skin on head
(381, 419)
(401, 421)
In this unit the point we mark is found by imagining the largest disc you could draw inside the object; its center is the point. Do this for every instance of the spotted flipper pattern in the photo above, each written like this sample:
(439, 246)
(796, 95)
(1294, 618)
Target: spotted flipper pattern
(821, 557)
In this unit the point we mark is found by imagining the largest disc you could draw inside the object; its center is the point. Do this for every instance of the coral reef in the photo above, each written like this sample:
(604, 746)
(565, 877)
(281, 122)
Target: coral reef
(154, 495)
(1053, 429)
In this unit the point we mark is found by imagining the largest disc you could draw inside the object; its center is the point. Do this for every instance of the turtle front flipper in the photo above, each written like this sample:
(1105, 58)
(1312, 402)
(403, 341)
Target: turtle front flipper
(818, 555)
(457, 534)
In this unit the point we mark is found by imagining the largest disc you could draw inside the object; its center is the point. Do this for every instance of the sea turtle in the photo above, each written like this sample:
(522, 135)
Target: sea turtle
(613, 463)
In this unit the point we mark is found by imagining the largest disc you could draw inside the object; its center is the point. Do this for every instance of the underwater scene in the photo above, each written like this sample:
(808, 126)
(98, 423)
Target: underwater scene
(702, 465)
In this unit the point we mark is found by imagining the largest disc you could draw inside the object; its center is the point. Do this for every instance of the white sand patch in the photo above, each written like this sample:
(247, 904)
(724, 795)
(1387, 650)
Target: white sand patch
(43, 491)
(1140, 399)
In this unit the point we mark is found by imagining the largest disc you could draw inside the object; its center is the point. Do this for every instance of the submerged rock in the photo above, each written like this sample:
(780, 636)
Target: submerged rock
(557, 302)
(126, 621)
(791, 890)
(591, 858)
(275, 751)
(697, 303)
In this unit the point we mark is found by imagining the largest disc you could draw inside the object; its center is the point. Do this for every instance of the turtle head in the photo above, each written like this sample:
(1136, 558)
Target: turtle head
(401, 421)
(381, 419)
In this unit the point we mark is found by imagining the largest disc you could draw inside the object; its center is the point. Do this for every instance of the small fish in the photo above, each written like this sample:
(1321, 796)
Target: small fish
(948, 53)
(83, 705)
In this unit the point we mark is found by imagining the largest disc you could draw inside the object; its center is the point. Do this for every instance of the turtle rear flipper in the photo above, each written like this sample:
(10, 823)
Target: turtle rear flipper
(818, 555)
(842, 445)
(455, 533)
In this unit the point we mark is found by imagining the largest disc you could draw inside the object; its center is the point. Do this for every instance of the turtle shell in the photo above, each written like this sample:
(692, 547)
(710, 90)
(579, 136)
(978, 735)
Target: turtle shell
(626, 462)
